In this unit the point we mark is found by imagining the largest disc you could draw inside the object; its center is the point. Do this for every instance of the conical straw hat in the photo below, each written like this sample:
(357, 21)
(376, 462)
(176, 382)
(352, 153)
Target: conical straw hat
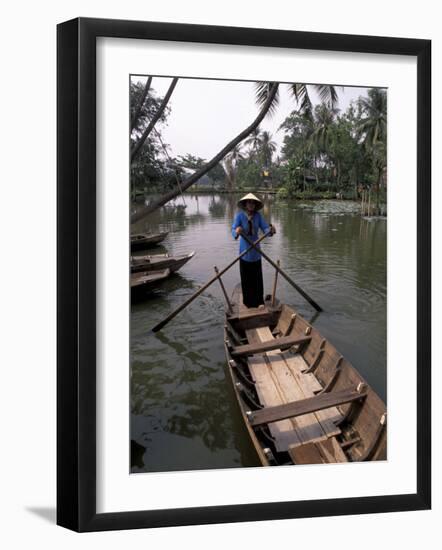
(250, 197)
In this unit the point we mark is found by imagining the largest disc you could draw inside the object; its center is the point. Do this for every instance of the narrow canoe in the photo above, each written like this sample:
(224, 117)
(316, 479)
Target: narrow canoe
(145, 240)
(301, 401)
(159, 261)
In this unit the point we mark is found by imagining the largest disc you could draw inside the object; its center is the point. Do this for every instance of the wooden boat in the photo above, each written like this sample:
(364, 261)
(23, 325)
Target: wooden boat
(146, 279)
(159, 261)
(302, 402)
(145, 240)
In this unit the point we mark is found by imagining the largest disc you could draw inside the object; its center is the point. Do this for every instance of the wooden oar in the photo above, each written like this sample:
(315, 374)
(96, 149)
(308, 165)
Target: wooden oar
(159, 326)
(283, 273)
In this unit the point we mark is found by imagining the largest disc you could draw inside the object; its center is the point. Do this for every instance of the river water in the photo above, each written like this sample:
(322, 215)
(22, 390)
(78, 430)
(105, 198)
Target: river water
(184, 414)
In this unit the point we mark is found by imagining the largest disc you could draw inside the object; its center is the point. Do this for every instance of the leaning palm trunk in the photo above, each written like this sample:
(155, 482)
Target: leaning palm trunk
(141, 103)
(136, 148)
(143, 211)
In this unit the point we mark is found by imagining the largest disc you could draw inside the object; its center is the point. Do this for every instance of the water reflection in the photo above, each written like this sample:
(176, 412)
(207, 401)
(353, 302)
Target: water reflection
(184, 413)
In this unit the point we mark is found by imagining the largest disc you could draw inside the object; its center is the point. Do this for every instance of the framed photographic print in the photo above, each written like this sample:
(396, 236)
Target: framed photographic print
(243, 274)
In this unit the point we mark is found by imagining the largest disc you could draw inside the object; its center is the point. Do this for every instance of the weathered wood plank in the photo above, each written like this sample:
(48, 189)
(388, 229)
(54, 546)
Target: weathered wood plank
(297, 364)
(279, 343)
(310, 386)
(252, 336)
(331, 451)
(245, 322)
(264, 334)
(306, 454)
(304, 406)
(285, 432)
(322, 452)
(309, 428)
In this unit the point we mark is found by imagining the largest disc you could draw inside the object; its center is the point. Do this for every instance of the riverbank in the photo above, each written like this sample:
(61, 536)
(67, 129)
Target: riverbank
(278, 197)
(279, 193)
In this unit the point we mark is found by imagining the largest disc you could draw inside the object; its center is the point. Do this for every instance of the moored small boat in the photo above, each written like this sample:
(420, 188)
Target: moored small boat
(159, 261)
(146, 279)
(302, 402)
(145, 240)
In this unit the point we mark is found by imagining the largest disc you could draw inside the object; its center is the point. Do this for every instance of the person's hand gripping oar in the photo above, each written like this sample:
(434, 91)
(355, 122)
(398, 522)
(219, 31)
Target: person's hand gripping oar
(240, 231)
(283, 273)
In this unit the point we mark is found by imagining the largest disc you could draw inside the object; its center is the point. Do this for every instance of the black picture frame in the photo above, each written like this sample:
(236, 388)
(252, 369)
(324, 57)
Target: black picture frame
(76, 273)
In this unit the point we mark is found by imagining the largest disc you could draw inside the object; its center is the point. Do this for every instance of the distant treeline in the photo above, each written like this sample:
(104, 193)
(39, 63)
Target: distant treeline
(325, 151)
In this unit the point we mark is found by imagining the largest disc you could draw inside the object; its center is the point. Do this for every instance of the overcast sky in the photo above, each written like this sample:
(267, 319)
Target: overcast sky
(207, 114)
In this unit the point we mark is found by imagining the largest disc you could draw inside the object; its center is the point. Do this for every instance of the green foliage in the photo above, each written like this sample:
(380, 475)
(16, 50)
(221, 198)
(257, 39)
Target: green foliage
(328, 151)
(150, 106)
(191, 162)
(249, 174)
(293, 174)
(152, 169)
(251, 164)
(216, 175)
(373, 124)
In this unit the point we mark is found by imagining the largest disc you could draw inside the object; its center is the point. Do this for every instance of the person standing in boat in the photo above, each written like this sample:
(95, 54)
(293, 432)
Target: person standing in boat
(248, 221)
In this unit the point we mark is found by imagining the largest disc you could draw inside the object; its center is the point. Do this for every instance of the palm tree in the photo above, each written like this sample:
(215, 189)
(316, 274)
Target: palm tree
(324, 119)
(373, 131)
(300, 126)
(268, 147)
(301, 94)
(373, 127)
(261, 145)
(230, 164)
(254, 140)
(140, 104)
(137, 147)
(267, 97)
(321, 137)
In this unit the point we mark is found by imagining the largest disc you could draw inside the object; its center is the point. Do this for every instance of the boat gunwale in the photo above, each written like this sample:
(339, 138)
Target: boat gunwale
(243, 408)
(178, 262)
(146, 274)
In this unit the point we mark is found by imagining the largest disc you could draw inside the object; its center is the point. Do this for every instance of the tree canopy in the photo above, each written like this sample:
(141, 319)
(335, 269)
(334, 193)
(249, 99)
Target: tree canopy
(323, 148)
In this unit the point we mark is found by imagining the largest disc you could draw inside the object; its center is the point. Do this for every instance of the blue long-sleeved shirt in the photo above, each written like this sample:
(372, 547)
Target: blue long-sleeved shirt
(241, 220)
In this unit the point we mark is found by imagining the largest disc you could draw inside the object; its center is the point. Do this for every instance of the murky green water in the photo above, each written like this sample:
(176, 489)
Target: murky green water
(184, 412)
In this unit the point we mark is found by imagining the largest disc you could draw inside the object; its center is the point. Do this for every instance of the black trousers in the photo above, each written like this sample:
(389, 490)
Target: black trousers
(251, 283)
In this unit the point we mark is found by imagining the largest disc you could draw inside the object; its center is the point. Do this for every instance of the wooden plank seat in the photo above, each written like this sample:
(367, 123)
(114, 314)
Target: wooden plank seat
(245, 318)
(262, 347)
(304, 406)
(248, 313)
(253, 318)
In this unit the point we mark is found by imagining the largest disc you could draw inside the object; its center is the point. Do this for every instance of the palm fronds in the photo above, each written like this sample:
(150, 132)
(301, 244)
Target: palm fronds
(300, 93)
(262, 92)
